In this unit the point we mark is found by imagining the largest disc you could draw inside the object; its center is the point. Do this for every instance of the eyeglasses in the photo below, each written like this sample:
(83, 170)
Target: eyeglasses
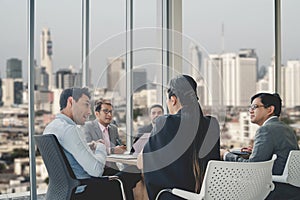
(254, 106)
(106, 111)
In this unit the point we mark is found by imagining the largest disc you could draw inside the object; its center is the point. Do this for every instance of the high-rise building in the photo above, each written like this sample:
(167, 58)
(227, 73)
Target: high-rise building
(196, 62)
(139, 80)
(292, 82)
(212, 83)
(46, 54)
(12, 91)
(14, 68)
(246, 76)
(18, 91)
(230, 78)
(41, 79)
(66, 78)
(116, 75)
(8, 91)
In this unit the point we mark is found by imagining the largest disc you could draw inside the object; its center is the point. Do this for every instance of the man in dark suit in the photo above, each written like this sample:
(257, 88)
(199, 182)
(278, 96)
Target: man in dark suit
(155, 111)
(273, 137)
(102, 130)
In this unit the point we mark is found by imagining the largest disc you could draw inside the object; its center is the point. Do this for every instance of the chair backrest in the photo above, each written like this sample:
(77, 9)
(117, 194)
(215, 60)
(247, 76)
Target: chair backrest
(237, 180)
(292, 168)
(62, 181)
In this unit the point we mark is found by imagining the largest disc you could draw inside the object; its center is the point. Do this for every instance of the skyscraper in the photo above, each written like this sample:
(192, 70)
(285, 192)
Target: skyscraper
(292, 82)
(247, 62)
(65, 78)
(41, 78)
(213, 80)
(231, 78)
(139, 80)
(12, 90)
(46, 54)
(196, 62)
(13, 82)
(14, 68)
(116, 75)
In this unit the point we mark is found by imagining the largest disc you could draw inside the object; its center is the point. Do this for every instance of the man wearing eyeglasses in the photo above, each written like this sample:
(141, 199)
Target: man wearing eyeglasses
(102, 130)
(272, 137)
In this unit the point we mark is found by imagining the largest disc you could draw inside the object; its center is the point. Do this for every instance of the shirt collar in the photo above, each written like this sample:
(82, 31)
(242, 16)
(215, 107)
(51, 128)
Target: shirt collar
(269, 119)
(66, 118)
(102, 127)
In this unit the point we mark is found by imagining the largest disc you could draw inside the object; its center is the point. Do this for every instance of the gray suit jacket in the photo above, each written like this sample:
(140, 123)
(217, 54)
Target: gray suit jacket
(92, 132)
(274, 137)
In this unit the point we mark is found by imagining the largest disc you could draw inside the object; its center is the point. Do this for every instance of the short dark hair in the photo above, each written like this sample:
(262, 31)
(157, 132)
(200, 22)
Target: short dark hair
(74, 92)
(156, 106)
(99, 103)
(268, 100)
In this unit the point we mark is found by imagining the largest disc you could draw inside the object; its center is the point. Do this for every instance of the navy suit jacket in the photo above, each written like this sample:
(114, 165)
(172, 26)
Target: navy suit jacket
(167, 157)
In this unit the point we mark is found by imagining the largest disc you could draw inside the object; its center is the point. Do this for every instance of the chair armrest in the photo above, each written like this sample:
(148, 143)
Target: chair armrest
(185, 194)
(280, 179)
(112, 178)
(93, 180)
(160, 192)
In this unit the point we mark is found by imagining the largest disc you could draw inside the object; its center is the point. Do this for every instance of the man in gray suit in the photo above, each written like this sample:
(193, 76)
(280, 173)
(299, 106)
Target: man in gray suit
(155, 111)
(273, 137)
(102, 130)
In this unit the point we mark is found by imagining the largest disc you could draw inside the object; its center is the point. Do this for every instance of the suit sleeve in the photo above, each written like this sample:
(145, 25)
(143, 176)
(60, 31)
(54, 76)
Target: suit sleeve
(262, 149)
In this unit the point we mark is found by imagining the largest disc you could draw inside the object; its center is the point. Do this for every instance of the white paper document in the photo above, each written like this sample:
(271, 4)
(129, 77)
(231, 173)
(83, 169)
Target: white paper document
(140, 143)
(122, 156)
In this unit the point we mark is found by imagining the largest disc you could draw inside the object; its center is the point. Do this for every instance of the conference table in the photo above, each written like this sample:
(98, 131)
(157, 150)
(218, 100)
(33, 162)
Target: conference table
(140, 192)
(126, 159)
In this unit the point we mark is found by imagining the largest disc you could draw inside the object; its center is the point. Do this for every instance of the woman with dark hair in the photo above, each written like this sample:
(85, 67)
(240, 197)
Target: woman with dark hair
(172, 156)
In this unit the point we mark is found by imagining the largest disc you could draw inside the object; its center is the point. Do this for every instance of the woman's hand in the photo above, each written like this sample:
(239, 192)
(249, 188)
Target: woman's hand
(140, 161)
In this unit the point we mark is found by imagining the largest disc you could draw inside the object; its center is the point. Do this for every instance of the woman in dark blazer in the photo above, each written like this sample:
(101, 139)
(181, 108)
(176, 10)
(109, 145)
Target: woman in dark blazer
(172, 156)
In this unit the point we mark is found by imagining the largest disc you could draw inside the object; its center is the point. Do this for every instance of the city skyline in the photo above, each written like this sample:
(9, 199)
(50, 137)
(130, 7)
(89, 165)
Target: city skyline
(219, 28)
(247, 25)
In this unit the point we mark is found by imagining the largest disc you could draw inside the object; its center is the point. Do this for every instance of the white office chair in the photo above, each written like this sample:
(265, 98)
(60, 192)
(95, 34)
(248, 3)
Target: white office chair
(291, 172)
(233, 180)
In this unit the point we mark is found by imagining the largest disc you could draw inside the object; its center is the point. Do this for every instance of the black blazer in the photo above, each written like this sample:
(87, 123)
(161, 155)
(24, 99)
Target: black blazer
(167, 157)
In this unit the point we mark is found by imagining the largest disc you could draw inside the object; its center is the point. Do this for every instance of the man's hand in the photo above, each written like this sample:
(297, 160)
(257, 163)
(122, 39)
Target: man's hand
(222, 152)
(120, 149)
(101, 141)
(247, 149)
(92, 145)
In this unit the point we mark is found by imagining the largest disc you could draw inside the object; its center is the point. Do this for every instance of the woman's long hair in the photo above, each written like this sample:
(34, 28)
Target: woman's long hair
(185, 88)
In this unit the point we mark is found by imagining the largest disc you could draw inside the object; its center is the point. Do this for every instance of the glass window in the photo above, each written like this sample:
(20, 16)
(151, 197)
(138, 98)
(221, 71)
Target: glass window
(13, 117)
(230, 46)
(290, 55)
(146, 80)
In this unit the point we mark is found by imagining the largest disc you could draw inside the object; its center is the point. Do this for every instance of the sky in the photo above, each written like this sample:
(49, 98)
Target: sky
(247, 24)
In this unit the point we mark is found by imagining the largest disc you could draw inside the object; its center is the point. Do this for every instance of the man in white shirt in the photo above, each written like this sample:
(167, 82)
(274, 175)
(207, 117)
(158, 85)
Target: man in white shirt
(86, 161)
